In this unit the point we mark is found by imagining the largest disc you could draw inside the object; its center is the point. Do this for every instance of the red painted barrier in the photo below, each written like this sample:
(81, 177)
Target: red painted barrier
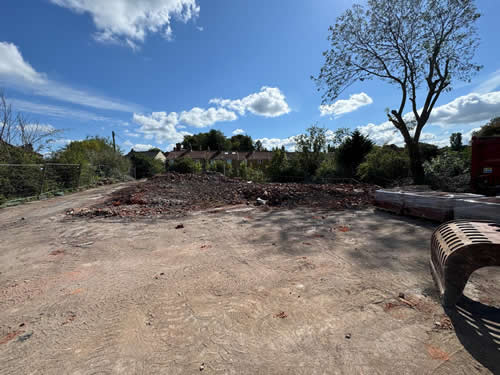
(485, 168)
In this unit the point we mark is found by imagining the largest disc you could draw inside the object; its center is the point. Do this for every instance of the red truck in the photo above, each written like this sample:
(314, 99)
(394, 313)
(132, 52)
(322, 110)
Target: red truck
(485, 168)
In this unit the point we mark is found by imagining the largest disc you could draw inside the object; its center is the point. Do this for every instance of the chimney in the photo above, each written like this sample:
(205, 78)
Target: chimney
(178, 146)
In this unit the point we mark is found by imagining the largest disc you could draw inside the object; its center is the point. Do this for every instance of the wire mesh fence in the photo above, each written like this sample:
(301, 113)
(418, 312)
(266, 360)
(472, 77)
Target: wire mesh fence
(26, 181)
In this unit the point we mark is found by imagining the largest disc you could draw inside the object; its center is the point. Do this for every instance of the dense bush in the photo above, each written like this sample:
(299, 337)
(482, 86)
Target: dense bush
(186, 165)
(351, 153)
(427, 151)
(247, 173)
(384, 166)
(220, 166)
(94, 154)
(146, 167)
(327, 169)
(448, 172)
(21, 180)
(280, 169)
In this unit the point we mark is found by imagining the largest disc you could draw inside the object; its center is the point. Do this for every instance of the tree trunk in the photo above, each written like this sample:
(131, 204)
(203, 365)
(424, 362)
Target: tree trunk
(417, 170)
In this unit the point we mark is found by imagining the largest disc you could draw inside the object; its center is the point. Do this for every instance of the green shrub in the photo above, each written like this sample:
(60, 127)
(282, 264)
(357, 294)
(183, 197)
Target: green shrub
(146, 167)
(280, 169)
(384, 166)
(448, 172)
(221, 166)
(247, 173)
(186, 165)
(327, 169)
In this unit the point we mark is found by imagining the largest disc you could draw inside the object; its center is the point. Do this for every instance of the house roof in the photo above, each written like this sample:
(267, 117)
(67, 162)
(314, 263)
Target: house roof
(204, 155)
(148, 154)
(175, 154)
(260, 155)
(230, 155)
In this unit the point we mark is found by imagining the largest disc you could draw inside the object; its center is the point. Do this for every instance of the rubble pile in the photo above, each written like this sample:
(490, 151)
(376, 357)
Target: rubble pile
(177, 194)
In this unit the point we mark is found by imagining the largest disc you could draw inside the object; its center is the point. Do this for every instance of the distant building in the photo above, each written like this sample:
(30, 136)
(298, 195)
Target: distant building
(151, 154)
(233, 158)
(259, 159)
(254, 159)
(203, 157)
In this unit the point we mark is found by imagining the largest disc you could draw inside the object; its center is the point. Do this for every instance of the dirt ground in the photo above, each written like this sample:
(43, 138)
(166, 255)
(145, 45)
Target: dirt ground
(237, 290)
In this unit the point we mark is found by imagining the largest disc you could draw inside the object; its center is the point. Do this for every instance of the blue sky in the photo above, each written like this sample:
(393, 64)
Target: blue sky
(154, 70)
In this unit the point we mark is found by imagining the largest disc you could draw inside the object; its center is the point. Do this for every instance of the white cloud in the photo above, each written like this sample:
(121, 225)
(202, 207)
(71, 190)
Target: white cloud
(238, 131)
(127, 144)
(200, 118)
(161, 126)
(269, 102)
(467, 136)
(468, 109)
(61, 142)
(18, 73)
(384, 133)
(128, 22)
(140, 147)
(341, 107)
(131, 134)
(60, 112)
(13, 65)
(491, 84)
(270, 143)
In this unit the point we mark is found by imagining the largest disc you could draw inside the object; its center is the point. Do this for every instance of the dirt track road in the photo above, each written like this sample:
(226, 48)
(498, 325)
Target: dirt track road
(236, 291)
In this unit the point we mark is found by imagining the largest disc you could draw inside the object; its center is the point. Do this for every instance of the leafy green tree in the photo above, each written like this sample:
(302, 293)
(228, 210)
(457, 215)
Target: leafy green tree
(384, 166)
(278, 165)
(456, 141)
(491, 129)
(327, 169)
(311, 149)
(427, 151)
(96, 152)
(241, 142)
(420, 46)
(259, 146)
(352, 152)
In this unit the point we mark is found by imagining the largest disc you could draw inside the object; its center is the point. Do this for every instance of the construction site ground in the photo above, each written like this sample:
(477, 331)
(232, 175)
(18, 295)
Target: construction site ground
(237, 289)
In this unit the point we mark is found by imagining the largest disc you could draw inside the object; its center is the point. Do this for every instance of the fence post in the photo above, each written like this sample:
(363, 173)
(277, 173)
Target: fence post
(79, 176)
(44, 167)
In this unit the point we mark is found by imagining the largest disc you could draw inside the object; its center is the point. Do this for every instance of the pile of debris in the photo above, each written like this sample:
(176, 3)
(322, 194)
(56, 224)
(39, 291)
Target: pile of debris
(176, 194)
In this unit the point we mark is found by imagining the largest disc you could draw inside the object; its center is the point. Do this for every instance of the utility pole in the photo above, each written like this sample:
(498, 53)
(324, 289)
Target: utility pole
(114, 144)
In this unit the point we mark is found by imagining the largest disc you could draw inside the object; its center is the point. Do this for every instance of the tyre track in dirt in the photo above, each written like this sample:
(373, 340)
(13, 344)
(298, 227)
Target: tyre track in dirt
(242, 290)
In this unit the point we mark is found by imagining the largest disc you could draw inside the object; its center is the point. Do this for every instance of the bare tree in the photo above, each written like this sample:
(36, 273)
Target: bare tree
(17, 130)
(7, 119)
(421, 46)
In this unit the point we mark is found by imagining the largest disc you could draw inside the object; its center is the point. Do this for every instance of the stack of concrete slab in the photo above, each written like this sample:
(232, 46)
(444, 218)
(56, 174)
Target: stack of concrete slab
(438, 206)
(485, 208)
